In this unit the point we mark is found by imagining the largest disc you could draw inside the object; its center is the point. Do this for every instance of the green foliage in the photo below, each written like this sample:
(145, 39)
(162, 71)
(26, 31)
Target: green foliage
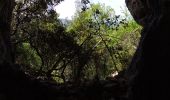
(95, 43)
(27, 57)
(98, 29)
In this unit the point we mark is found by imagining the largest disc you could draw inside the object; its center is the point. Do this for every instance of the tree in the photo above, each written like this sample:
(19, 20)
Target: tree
(6, 9)
(13, 81)
(35, 28)
(97, 29)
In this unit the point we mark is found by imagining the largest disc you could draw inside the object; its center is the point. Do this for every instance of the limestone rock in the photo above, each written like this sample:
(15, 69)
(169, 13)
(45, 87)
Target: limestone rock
(153, 52)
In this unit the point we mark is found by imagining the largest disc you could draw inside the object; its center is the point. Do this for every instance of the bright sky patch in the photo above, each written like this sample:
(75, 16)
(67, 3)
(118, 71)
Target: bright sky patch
(67, 8)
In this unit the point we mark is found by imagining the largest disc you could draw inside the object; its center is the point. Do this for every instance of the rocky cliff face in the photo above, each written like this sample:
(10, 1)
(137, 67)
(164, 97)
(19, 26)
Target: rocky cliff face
(6, 8)
(139, 10)
(148, 73)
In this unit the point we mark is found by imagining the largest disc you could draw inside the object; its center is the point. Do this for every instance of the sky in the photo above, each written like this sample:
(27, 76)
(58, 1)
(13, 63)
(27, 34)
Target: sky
(66, 9)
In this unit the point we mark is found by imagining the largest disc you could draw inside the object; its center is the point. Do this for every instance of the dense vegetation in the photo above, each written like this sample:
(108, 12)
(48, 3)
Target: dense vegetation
(38, 51)
(93, 45)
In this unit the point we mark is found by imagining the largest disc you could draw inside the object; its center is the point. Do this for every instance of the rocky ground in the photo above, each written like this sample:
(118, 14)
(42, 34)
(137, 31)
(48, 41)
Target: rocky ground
(15, 85)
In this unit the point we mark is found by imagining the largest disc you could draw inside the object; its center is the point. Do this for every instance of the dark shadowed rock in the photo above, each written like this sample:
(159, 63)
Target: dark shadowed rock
(148, 73)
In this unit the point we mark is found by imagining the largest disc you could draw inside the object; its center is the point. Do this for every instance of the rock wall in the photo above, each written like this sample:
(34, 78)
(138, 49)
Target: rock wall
(6, 8)
(148, 73)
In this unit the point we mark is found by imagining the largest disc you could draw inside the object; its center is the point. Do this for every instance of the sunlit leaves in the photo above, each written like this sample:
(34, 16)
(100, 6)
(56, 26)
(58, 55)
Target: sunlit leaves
(96, 41)
(100, 30)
